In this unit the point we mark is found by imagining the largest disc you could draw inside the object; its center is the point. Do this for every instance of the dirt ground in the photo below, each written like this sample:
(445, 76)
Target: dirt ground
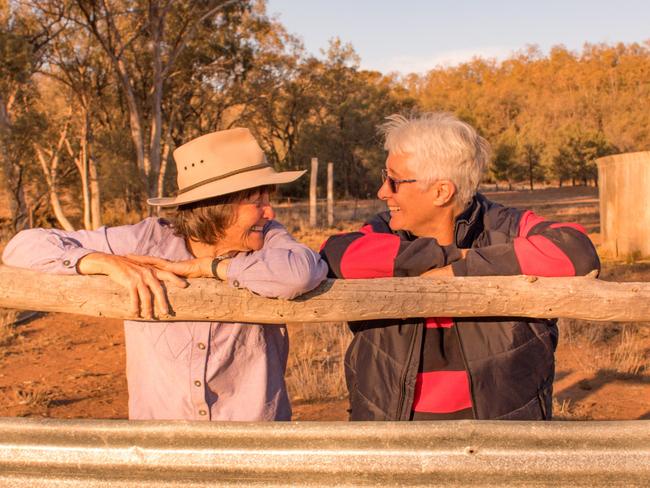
(69, 366)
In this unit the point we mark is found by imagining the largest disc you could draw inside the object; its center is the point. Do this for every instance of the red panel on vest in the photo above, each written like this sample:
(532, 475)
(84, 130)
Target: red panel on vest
(442, 392)
(436, 322)
(528, 221)
(539, 256)
(366, 229)
(370, 256)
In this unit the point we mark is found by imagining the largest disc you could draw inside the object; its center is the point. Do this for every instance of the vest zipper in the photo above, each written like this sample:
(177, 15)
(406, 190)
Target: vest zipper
(469, 375)
(402, 397)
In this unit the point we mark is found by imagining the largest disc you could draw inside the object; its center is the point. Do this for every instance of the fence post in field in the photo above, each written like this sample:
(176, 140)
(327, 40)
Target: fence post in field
(330, 194)
(313, 188)
(623, 181)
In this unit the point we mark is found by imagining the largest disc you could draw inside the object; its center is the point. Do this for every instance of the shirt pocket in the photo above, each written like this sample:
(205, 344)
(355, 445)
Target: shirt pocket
(172, 341)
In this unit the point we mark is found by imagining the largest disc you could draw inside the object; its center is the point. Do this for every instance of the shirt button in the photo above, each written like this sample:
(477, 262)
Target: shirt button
(66, 263)
(197, 383)
(202, 412)
(200, 345)
(235, 284)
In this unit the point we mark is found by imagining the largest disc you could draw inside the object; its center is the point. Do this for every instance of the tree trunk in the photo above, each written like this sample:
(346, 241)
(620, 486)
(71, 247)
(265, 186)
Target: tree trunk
(50, 173)
(82, 166)
(135, 124)
(156, 24)
(93, 177)
(161, 175)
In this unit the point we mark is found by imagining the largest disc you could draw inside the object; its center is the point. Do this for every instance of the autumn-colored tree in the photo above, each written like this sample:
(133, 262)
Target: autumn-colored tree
(23, 40)
(94, 97)
(545, 106)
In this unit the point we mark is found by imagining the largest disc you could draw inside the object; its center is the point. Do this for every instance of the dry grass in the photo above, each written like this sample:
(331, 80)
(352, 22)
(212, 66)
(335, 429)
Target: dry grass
(623, 346)
(8, 333)
(562, 410)
(315, 370)
(629, 355)
(566, 410)
(33, 396)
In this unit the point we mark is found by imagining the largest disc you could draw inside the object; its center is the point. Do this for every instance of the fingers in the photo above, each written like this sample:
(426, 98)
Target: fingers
(152, 286)
(146, 292)
(144, 298)
(435, 272)
(179, 268)
(134, 300)
(171, 278)
(149, 260)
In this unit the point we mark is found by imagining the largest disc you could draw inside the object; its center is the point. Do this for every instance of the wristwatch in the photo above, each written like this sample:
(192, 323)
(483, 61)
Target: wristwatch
(216, 261)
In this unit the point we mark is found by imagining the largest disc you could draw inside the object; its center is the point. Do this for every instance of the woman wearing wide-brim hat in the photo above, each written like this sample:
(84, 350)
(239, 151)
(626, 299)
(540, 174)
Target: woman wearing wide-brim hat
(222, 227)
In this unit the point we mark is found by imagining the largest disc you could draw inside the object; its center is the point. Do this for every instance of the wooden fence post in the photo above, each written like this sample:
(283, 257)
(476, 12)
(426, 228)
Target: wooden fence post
(330, 194)
(313, 188)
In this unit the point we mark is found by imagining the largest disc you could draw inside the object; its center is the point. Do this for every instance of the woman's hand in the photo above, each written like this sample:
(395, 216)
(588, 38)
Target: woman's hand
(436, 272)
(142, 281)
(445, 270)
(189, 268)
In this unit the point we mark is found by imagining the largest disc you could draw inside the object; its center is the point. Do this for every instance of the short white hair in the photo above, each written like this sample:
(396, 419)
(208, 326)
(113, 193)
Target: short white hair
(441, 147)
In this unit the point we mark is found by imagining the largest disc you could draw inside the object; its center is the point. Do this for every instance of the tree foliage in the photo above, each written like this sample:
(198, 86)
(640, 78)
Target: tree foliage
(549, 117)
(95, 96)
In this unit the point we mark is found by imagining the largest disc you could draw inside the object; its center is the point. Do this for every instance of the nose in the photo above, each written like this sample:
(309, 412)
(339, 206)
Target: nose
(384, 192)
(268, 213)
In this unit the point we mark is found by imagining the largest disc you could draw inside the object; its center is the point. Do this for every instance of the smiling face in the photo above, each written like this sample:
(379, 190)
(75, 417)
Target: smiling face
(245, 233)
(423, 212)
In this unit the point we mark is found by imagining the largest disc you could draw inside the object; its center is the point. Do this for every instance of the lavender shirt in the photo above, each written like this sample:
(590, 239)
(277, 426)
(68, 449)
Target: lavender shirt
(193, 370)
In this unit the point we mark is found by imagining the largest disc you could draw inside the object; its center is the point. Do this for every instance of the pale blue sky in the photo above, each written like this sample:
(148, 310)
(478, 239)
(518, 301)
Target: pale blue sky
(417, 35)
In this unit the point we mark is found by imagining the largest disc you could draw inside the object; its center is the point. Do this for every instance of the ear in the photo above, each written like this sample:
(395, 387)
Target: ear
(443, 192)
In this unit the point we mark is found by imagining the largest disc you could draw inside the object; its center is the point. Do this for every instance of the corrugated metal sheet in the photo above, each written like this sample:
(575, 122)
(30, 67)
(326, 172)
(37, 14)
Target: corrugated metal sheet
(36, 453)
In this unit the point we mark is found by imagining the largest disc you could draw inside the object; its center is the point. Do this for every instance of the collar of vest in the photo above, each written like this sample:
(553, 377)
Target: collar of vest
(469, 224)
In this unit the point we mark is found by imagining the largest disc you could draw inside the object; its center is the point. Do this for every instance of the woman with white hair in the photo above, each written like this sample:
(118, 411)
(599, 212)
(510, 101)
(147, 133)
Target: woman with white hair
(438, 224)
(222, 228)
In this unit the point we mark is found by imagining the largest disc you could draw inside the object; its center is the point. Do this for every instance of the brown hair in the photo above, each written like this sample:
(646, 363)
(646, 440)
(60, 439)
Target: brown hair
(206, 220)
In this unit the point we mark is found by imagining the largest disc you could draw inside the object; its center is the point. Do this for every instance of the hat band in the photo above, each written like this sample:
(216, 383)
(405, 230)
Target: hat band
(221, 177)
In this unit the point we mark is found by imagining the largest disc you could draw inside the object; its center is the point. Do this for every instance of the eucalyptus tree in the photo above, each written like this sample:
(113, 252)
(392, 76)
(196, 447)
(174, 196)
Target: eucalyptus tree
(218, 80)
(280, 95)
(82, 73)
(350, 103)
(23, 41)
(143, 41)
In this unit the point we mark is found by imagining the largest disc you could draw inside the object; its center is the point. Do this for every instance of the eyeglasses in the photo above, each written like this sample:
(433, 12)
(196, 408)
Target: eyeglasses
(393, 184)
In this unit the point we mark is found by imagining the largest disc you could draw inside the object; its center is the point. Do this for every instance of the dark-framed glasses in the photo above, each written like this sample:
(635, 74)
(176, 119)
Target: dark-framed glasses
(393, 184)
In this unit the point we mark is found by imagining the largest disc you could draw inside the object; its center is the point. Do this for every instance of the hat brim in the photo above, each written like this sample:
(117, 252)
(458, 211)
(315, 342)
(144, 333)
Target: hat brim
(242, 181)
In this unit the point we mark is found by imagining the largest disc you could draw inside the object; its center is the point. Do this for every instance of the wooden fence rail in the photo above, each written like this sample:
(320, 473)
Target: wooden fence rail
(343, 300)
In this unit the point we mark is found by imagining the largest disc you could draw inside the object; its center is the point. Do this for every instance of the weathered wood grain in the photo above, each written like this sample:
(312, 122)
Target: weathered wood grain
(338, 300)
(623, 181)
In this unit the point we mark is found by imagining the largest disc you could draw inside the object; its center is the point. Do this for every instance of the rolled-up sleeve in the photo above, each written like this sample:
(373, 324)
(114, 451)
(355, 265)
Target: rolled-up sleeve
(57, 251)
(51, 250)
(283, 268)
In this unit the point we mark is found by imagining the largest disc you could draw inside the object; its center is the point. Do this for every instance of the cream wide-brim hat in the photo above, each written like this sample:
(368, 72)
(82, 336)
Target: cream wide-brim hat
(220, 163)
